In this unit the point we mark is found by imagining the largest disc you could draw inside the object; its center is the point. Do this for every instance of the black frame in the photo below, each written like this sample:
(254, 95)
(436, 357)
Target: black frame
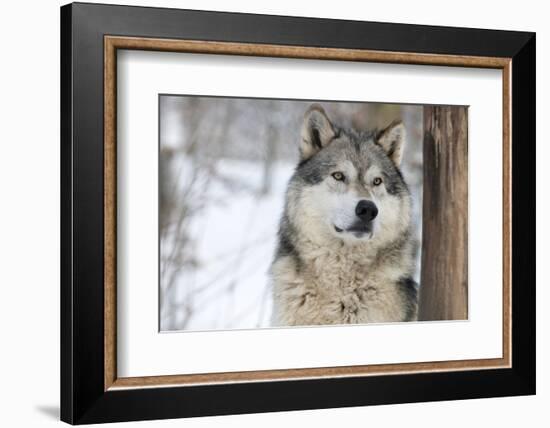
(83, 399)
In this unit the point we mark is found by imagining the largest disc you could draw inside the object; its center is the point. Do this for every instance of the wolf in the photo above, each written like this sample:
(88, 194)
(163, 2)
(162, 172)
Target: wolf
(345, 243)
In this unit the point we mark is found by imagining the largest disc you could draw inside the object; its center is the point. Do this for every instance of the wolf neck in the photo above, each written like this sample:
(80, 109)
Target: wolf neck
(322, 255)
(367, 255)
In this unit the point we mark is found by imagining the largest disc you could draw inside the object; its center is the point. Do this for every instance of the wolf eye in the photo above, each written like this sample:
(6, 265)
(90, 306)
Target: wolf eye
(377, 181)
(338, 176)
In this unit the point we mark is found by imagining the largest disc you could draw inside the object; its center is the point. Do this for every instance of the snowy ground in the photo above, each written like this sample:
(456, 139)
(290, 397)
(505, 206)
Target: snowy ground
(234, 240)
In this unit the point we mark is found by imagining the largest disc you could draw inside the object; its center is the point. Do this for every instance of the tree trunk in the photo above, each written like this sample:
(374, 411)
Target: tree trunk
(444, 277)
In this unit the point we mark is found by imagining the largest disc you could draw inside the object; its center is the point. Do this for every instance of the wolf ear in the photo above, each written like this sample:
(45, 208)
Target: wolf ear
(392, 140)
(317, 131)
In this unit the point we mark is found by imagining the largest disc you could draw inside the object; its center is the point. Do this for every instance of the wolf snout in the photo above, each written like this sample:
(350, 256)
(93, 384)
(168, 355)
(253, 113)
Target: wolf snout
(366, 210)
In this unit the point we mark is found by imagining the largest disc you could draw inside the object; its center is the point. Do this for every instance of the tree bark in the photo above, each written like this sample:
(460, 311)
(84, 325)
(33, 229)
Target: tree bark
(444, 278)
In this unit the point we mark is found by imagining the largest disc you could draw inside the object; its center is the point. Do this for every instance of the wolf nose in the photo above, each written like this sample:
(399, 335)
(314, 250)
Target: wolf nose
(366, 210)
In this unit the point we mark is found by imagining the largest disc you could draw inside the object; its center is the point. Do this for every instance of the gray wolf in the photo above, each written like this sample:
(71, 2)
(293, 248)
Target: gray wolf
(345, 244)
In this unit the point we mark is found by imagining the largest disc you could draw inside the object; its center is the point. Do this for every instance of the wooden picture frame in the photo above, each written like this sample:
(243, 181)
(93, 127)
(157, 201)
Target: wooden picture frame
(91, 391)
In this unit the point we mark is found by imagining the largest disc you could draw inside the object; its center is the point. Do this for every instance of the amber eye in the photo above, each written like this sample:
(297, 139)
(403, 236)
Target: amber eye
(338, 176)
(377, 181)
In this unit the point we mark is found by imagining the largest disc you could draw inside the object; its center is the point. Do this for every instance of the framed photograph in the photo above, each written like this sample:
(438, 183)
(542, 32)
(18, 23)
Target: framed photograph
(266, 213)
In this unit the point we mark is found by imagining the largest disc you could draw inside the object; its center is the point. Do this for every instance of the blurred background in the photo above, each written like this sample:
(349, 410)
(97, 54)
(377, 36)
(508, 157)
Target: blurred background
(224, 166)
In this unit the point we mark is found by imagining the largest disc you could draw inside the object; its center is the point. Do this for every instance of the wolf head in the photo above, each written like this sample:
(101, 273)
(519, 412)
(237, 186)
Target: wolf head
(347, 186)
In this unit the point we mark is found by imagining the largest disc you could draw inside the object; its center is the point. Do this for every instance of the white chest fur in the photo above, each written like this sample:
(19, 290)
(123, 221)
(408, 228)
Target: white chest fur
(336, 287)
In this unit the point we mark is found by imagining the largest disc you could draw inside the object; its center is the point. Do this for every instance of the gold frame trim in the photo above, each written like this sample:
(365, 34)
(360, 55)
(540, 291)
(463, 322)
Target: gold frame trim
(112, 43)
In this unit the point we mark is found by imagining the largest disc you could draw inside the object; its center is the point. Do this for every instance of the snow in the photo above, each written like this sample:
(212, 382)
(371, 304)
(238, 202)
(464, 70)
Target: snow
(234, 241)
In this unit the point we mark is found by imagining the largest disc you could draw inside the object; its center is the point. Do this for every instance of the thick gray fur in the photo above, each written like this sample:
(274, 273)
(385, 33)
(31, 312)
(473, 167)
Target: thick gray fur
(331, 267)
